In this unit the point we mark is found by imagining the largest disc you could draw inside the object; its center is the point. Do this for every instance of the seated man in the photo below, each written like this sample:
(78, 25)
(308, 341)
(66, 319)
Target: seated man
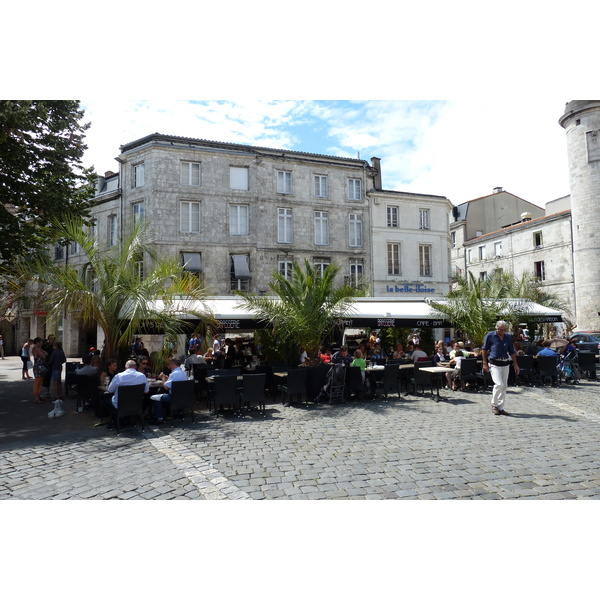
(177, 374)
(130, 376)
(418, 354)
(341, 356)
(87, 368)
(197, 358)
(546, 350)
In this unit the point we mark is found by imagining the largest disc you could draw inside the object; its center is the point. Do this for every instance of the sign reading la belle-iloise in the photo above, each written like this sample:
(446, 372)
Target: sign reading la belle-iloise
(409, 288)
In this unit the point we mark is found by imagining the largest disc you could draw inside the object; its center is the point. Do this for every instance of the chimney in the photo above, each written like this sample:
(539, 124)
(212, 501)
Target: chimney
(497, 190)
(526, 216)
(376, 164)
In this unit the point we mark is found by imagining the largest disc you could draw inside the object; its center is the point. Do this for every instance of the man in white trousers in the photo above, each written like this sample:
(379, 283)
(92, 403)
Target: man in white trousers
(498, 352)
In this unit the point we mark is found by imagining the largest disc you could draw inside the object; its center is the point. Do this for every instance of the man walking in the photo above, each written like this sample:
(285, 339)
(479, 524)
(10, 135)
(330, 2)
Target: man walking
(497, 352)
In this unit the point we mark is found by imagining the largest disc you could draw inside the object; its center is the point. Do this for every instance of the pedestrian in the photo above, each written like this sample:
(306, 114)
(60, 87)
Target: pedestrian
(2, 346)
(497, 352)
(26, 357)
(55, 362)
(40, 368)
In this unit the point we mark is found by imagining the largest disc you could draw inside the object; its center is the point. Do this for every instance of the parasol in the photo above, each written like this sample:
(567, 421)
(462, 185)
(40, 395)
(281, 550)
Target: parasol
(558, 343)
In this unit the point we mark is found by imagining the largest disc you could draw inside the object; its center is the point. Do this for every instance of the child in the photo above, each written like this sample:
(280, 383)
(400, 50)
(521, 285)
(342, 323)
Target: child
(359, 361)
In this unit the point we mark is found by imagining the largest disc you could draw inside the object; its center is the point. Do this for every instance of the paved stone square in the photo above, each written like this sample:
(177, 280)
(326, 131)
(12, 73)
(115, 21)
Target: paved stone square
(406, 448)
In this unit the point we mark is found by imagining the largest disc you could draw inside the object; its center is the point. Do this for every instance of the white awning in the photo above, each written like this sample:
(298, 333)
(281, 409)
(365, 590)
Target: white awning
(374, 313)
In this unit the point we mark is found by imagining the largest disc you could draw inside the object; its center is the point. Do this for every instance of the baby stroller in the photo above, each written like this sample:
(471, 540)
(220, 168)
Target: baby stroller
(333, 390)
(568, 368)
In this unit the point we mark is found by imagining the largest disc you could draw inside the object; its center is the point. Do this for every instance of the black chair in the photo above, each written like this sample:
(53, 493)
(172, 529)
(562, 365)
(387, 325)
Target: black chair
(391, 379)
(587, 364)
(70, 381)
(547, 369)
(527, 374)
(295, 384)
(315, 380)
(130, 403)
(225, 393)
(86, 390)
(354, 383)
(422, 378)
(201, 372)
(468, 372)
(183, 396)
(227, 372)
(253, 391)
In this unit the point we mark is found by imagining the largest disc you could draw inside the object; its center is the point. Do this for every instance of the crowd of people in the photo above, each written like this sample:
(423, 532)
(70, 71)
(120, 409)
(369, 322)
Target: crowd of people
(45, 357)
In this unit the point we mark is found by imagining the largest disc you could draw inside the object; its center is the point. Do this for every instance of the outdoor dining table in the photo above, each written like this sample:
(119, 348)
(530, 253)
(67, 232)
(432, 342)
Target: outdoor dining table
(372, 372)
(438, 380)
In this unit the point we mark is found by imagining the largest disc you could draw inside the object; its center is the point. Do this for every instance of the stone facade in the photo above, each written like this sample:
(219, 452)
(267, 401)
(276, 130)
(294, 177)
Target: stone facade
(255, 203)
(209, 203)
(581, 121)
(410, 245)
(539, 246)
(482, 216)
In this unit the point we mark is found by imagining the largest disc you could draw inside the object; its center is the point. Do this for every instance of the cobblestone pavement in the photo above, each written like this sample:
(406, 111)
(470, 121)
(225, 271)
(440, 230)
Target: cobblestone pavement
(407, 448)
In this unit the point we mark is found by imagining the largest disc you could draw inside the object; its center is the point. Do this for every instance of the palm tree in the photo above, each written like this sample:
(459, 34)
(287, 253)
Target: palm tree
(470, 308)
(306, 308)
(474, 305)
(110, 290)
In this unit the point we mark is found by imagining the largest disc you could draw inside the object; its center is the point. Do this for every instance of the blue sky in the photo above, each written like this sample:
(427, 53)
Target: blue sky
(460, 148)
(466, 96)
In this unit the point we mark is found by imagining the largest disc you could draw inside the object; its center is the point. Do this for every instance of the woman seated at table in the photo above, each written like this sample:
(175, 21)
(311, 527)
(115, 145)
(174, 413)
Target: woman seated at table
(399, 351)
(325, 355)
(109, 371)
(439, 354)
(455, 362)
(144, 366)
(377, 352)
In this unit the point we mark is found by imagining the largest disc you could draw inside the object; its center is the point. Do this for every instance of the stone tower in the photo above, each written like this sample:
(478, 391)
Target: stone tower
(581, 121)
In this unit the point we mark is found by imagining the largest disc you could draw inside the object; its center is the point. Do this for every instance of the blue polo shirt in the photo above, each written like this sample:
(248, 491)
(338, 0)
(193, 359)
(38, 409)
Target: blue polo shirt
(547, 352)
(498, 349)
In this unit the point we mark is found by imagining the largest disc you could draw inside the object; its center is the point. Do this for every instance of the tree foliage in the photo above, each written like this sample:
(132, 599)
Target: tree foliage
(108, 290)
(474, 305)
(306, 307)
(41, 172)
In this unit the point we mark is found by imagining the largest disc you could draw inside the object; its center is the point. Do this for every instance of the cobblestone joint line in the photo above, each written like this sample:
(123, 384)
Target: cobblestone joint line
(209, 482)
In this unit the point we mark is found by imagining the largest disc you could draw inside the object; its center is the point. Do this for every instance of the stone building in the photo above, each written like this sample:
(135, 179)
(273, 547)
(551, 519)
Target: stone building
(410, 245)
(236, 213)
(485, 215)
(541, 246)
(581, 121)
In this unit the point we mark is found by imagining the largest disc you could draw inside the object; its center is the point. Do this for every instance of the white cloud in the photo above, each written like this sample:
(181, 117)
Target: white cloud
(461, 149)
